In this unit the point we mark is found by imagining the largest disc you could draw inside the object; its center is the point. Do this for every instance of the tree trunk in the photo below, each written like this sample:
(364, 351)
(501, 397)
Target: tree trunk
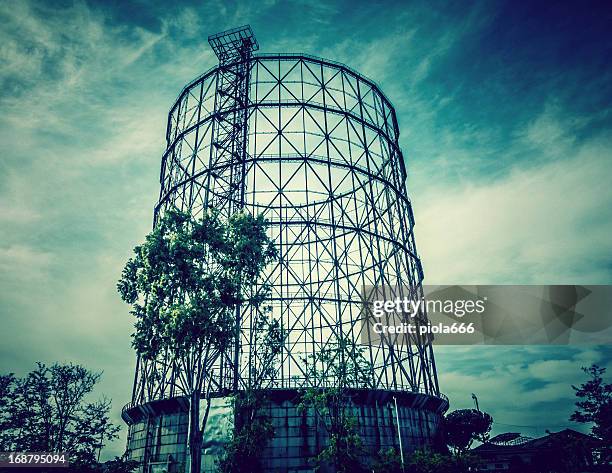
(195, 436)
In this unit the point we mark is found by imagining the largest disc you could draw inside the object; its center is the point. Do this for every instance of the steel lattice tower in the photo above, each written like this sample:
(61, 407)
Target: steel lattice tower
(314, 146)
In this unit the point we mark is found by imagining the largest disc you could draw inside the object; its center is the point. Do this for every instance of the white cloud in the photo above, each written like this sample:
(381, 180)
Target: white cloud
(515, 391)
(23, 262)
(524, 227)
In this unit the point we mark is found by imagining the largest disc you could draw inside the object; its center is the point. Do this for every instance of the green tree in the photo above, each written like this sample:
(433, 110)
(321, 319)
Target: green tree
(426, 461)
(186, 284)
(118, 465)
(333, 372)
(252, 425)
(48, 411)
(463, 426)
(252, 431)
(7, 421)
(423, 461)
(595, 406)
(387, 461)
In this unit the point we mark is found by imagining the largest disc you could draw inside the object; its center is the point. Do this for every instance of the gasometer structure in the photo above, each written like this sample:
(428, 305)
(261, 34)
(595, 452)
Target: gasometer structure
(313, 145)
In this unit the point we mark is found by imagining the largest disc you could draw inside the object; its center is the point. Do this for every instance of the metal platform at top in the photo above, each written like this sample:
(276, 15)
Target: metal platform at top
(232, 45)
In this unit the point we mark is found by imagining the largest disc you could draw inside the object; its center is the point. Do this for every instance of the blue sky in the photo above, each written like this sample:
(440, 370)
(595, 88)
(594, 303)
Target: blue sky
(504, 109)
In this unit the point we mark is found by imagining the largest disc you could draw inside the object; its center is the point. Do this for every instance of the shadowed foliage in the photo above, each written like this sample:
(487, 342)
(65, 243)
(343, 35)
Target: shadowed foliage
(185, 284)
(463, 426)
(49, 410)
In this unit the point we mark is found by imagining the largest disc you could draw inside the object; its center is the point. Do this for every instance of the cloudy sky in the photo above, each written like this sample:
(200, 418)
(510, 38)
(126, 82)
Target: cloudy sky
(504, 108)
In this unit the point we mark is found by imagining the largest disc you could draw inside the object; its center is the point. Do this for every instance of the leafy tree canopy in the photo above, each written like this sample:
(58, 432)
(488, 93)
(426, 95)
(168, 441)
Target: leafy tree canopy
(423, 461)
(49, 411)
(595, 405)
(185, 281)
(185, 284)
(463, 426)
(334, 371)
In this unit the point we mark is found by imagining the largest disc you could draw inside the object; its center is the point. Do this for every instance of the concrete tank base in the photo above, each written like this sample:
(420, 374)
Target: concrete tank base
(158, 429)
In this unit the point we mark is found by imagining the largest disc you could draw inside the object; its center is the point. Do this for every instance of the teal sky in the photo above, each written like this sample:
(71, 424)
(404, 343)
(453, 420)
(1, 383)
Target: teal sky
(505, 111)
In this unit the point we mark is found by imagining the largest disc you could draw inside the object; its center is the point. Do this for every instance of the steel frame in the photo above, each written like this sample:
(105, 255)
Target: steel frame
(314, 146)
